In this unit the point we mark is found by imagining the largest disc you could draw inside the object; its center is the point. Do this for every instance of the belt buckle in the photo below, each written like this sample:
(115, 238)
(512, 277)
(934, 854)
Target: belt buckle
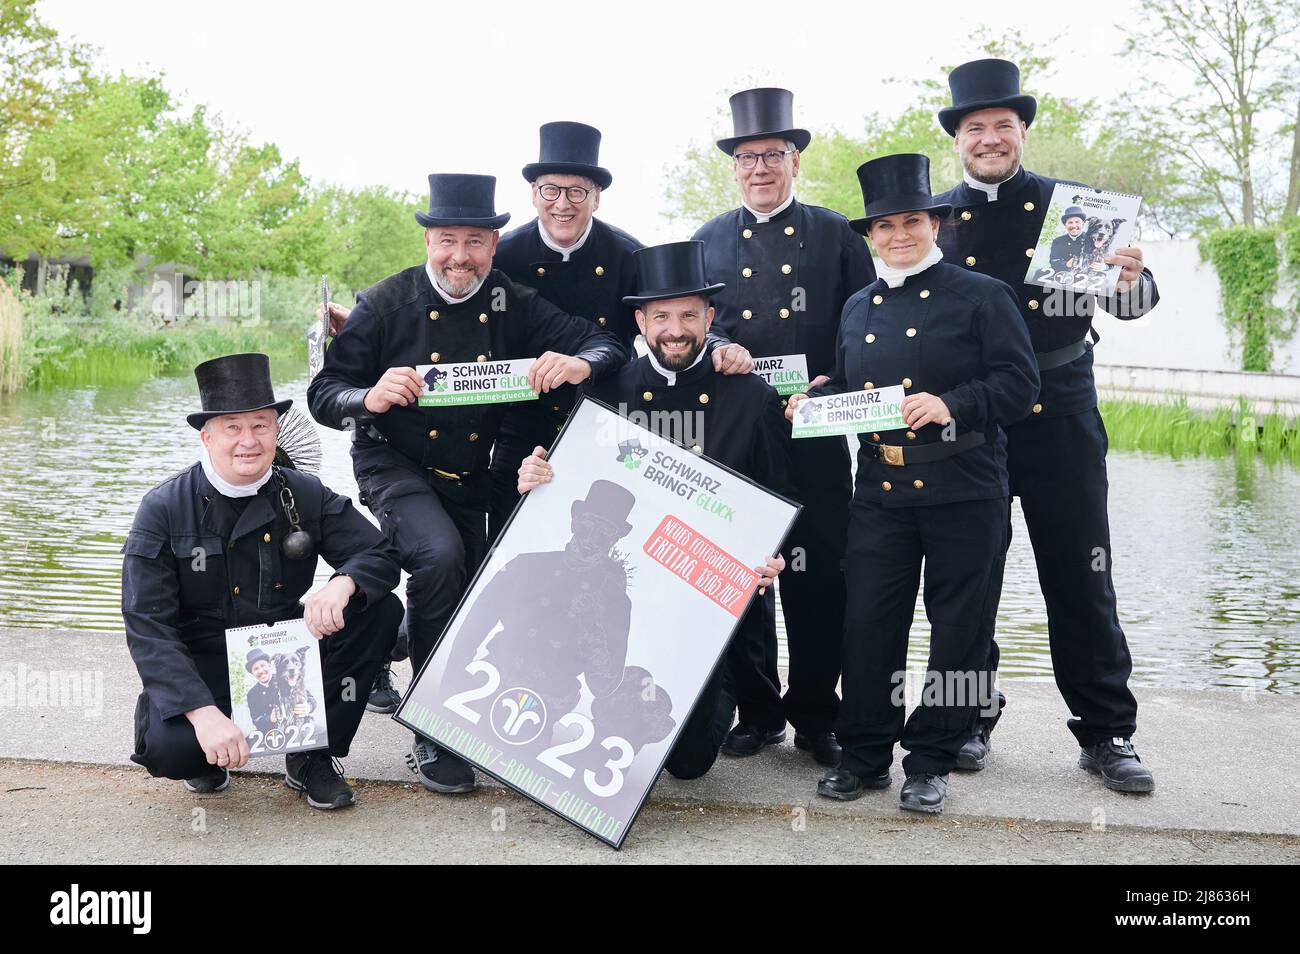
(892, 455)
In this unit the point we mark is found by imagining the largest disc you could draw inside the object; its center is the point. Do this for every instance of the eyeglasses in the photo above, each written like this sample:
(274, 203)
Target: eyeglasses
(577, 194)
(772, 158)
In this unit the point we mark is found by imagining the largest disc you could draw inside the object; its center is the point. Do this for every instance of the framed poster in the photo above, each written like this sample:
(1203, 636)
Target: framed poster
(585, 639)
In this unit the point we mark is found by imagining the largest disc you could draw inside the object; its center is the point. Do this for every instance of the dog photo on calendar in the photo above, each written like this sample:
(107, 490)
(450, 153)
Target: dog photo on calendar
(1083, 228)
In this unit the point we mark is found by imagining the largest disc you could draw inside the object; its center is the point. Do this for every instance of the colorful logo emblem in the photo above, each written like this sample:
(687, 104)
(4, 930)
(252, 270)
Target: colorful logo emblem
(518, 716)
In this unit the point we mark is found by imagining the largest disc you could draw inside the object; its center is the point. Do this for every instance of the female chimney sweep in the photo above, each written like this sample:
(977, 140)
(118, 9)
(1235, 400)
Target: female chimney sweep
(935, 490)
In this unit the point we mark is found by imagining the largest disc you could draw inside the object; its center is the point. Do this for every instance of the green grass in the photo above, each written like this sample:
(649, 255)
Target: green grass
(128, 350)
(1177, 430)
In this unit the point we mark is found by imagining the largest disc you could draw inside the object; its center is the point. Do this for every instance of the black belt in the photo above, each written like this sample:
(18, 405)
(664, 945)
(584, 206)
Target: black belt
(896, 456)
(1047, 360)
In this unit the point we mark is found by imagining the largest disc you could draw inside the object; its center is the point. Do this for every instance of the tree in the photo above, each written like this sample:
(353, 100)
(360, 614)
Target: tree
(1240, 57)
(1078, 139)
(372, 235)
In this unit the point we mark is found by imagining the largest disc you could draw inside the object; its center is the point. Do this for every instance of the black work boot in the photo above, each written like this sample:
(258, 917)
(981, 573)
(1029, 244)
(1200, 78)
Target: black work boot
(976, 748)
(746, 740)
(1118, 765)
(825, 748)
(923, 792)
(319, 777)
(845, 786)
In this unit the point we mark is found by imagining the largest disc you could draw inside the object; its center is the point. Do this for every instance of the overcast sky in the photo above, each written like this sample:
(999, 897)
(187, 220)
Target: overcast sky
(386, 92)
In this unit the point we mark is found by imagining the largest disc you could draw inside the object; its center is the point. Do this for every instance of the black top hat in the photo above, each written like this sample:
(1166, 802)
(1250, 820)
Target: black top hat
(1073, 212)
(458, 199)
(764, 113)
(234, 384)
(608, 500)
(983, 84)
(569, 149)
(255, 655)
(674, 270)
(893, 184)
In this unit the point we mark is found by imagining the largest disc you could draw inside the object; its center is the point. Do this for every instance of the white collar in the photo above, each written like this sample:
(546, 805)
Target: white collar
(671, 376)
(564, 252)
(762, 217)
(990, 189)
(224, 487)
(894, 277)
(428, 270)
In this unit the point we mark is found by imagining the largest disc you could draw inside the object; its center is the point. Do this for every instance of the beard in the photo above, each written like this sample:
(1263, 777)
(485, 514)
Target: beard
(676, 362)
(459, 288)
(993, 176)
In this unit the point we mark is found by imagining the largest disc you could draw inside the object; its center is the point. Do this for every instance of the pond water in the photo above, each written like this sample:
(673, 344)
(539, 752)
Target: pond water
(1207, 562)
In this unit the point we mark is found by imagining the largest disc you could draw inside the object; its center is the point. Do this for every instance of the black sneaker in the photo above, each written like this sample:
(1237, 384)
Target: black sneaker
(438, 769)
(209, 783)
(1118, 765)
(320, 778)
(383, 696)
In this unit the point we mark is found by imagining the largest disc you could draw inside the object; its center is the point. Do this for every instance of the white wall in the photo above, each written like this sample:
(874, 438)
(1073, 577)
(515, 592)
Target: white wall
(1184, 330)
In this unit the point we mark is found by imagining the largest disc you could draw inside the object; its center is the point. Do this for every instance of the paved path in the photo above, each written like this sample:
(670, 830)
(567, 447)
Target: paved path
(1224, 765)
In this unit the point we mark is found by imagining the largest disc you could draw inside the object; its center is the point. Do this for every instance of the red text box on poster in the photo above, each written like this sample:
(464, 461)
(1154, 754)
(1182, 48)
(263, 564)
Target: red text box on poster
(705, 566)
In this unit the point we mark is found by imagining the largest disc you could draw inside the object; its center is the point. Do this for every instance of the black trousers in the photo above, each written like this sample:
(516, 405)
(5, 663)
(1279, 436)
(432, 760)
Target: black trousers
(697, 745)
(812, 586)
(440, 541)
(1057, 467)
(507, 454)
(812, 600)
(350, 658)
(960, 545)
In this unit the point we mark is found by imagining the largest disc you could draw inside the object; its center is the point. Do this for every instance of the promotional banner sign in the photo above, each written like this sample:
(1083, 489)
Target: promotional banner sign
(1083, 228)
(788, 373)
(852, 412)
(476, 382)
(576, 656)
(277, 695)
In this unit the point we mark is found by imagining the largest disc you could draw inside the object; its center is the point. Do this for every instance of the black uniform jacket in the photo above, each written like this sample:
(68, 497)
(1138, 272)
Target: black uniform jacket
(590, 285)
(739, 423)
(954, 334)
(1065, 252)
(404, 322)
(998, 238)
(787, 279)
(195, 565)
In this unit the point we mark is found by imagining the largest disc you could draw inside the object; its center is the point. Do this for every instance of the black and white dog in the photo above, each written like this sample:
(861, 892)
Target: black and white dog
(1097, 241)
